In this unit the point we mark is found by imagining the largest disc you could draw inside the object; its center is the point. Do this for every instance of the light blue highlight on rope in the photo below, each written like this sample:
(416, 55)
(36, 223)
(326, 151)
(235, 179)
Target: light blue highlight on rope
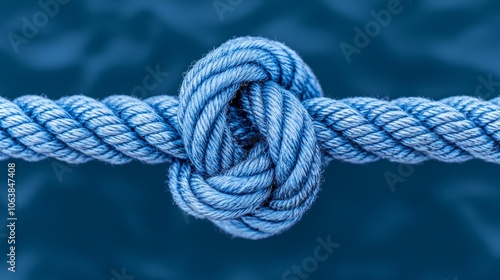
(248, 134)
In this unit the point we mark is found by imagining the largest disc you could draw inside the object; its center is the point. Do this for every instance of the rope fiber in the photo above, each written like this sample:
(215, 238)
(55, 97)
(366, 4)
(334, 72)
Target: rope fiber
(248, 134)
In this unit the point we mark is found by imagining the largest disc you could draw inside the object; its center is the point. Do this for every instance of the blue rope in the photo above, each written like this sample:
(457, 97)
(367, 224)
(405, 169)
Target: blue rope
(248, 134)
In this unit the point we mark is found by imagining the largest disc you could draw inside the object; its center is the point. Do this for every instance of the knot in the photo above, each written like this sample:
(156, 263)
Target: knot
(254, 164)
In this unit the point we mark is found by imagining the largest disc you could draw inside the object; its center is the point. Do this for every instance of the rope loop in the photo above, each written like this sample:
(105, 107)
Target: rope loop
(258, 186)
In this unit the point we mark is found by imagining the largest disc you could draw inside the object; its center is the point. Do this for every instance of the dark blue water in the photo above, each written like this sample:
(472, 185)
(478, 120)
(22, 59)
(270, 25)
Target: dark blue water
(96, 221)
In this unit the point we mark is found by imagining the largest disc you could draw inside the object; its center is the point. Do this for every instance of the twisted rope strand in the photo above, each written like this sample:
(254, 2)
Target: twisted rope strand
(119, 129)
(248, 133)
(407, 130)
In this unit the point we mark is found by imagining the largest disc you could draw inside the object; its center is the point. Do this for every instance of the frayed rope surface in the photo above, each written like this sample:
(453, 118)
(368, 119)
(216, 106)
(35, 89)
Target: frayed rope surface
(248, 134)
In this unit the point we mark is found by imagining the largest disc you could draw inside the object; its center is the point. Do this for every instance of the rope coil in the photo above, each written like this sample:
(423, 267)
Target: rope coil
(248, 134)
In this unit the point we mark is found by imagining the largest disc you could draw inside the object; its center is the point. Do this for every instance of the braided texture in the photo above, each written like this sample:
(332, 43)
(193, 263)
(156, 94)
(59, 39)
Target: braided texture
(248, 134)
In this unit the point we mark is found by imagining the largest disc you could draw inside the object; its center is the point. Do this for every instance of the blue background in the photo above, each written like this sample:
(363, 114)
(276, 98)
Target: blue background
(441, 222)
